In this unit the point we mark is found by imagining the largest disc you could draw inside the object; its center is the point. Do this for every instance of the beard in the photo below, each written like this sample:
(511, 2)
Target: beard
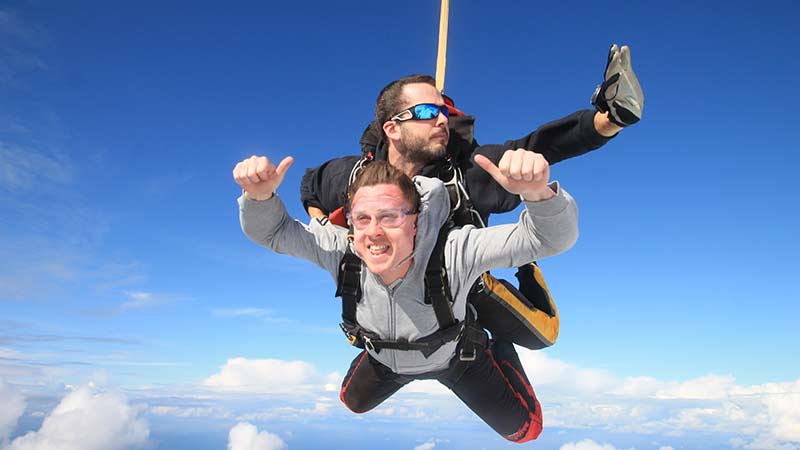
(419, 149)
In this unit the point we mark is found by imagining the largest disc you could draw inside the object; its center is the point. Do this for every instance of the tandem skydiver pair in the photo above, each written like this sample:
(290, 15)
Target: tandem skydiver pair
(426, 254)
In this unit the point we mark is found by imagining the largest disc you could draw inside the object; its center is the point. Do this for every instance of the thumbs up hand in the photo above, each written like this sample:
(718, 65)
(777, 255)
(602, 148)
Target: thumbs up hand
(259, 178)
(520, 172)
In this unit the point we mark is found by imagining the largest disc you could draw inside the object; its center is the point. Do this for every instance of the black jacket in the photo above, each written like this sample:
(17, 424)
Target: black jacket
(325, 187)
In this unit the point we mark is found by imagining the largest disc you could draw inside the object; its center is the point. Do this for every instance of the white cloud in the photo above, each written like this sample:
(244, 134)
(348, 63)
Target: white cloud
(265, 376)
(262, 314)
(87, 420)
(322, 407)
(13, 405)
(587, 444)
(704, 388)
(431, 387)
(543, 370)
(668, 447)
(764, 416)
(333, 381)
(245, 436)
(192, 411)
(781, 401)
(142, 300)
(243, 312)
(762, 443)
(426, 446)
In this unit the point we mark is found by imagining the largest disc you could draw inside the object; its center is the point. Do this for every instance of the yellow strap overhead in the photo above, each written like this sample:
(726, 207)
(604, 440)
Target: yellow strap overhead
(441, 59)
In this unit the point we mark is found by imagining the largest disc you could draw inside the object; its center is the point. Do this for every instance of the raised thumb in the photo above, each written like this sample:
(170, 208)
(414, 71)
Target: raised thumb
(487, 165)
(283, 167)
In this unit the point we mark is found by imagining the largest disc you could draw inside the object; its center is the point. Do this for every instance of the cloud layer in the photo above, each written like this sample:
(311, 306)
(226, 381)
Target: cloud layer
(87, 420)
(572, 397)
(267, 376)
(587, 444)
(13, 405)
(245, 436)
(575, 397)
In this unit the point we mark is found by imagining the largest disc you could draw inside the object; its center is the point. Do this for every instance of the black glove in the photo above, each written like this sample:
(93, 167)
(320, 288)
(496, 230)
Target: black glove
(620, 94)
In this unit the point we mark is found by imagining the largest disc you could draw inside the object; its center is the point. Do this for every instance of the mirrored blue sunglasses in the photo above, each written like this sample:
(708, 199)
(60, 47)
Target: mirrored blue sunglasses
(423, 111)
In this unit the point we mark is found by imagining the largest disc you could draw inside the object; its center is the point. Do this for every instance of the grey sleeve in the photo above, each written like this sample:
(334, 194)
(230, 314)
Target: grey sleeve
(545, 228)
(267, 223)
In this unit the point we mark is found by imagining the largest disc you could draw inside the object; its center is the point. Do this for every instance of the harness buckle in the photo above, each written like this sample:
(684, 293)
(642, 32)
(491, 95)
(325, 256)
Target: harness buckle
(368, 343)
(351, 338)
(462, 356)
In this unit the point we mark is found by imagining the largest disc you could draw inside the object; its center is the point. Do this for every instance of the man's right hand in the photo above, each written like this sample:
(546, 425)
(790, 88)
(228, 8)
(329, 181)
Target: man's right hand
(259, 178)
(520, 172)
(620, 94)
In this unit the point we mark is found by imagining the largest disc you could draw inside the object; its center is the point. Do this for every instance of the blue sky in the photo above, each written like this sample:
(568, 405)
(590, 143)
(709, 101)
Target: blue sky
(128, 291)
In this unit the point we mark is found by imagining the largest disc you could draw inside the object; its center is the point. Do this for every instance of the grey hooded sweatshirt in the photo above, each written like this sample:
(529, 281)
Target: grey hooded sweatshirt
(398, 311)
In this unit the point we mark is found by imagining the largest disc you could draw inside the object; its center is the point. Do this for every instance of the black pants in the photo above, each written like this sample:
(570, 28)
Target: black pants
(493, 386)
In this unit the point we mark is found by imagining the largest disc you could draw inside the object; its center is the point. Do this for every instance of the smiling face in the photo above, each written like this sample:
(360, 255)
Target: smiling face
(386, 250)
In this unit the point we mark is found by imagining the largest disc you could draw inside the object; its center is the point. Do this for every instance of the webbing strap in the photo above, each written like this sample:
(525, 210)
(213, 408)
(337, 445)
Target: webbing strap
(427, 346)
(437, 288)
(348, 285)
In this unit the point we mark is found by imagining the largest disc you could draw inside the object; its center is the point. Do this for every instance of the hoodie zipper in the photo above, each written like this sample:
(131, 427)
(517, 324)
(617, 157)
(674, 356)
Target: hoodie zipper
(392, 319)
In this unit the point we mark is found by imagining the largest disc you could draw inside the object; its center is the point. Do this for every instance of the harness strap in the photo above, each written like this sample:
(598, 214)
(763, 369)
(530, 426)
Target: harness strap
(468, 334)
(427, 345)
(462, 210)
(348, 285)
(437, 288)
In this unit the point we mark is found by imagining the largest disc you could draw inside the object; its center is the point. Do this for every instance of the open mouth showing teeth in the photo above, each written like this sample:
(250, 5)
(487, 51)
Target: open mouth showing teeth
(378, 249)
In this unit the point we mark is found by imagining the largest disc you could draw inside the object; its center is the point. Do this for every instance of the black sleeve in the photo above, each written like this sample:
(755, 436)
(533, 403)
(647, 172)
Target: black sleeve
(325, 187)
(562, 139)
(558, 140)
(487, 196)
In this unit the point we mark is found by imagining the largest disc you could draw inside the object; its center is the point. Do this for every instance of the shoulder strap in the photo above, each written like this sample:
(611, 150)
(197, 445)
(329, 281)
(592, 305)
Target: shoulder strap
(462, 211)
(348, 285)
(437, 288)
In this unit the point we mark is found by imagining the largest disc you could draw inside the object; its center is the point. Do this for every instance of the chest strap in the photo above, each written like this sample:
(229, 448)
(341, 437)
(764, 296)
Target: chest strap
(427, 345)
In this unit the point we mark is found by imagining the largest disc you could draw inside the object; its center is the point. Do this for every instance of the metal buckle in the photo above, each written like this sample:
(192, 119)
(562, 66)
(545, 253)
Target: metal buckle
(464, 357)
(368, 343)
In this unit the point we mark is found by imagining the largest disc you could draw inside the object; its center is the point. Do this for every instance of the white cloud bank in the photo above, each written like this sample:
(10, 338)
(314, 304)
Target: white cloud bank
(269, 376)
(245, 436)
(322, 407)
(191, 411)
(575, 397)
(86, 420)
(760, 416)
(12, 405)
(430, 445)
(587, 444)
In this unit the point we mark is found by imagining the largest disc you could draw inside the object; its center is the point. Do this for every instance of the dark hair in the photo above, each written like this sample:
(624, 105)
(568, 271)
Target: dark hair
(381, 172)
(390, 100)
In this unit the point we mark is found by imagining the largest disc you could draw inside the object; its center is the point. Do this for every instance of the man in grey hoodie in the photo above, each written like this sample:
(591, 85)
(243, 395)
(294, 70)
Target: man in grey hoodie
(395, 223)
